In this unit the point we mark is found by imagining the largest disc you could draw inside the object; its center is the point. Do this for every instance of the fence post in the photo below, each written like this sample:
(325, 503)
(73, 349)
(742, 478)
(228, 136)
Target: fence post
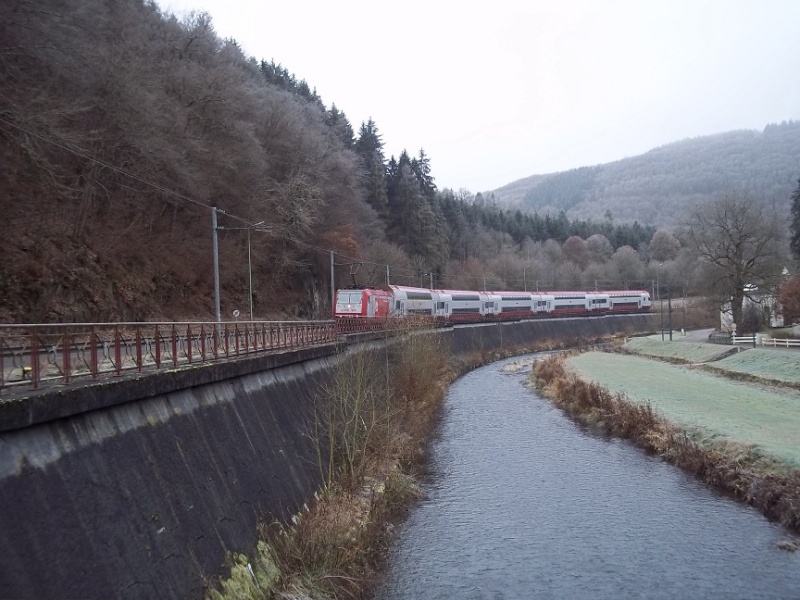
(66, 363)
(139, 361)
(174, 347)
(157, 342)
(117, 351)
(34, 358)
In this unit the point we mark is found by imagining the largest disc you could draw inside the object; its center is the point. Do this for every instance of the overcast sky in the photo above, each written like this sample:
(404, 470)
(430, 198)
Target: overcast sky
(497, 91)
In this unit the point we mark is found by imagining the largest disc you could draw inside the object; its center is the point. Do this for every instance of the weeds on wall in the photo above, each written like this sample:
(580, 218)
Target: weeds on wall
(370, 427)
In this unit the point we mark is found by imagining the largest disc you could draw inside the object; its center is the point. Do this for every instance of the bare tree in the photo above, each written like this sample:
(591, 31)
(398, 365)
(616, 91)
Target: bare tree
(628, 267)
(576, 251)
(663, 246)
(599, 248)
(739, 244)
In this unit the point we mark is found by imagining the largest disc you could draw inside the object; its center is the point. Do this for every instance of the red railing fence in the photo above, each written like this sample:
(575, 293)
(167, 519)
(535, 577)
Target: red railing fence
(32, 355)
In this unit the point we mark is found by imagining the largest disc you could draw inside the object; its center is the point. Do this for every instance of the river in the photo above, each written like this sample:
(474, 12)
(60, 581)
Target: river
(524, 503)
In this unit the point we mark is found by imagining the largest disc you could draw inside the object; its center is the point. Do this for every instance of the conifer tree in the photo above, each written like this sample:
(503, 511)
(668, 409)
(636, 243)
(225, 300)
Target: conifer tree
(369, 147)
(795, 226)
(337, 120)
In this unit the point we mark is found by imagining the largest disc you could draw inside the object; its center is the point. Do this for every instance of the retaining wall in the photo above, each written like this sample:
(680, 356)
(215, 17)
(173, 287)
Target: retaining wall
(137, 488)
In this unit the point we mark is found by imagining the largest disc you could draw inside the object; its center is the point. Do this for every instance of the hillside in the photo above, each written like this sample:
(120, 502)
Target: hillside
(122, 128)
(660, 187)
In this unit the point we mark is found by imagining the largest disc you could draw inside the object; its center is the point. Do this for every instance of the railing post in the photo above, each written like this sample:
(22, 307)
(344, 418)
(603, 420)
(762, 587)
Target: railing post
(139, 360)
(34, 358)
(93, 353)
(117, 351)
(157, 341)
(66, 362)
(174, 346)
(189, 343)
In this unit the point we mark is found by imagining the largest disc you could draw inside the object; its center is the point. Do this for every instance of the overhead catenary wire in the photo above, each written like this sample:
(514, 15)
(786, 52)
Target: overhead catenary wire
(81, 153)
(253, 225)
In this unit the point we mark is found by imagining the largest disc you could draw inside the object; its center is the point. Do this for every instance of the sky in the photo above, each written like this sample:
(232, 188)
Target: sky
(497, 91)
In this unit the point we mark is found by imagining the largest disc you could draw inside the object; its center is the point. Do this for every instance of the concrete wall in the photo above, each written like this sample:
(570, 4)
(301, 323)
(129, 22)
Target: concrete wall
(137, 488)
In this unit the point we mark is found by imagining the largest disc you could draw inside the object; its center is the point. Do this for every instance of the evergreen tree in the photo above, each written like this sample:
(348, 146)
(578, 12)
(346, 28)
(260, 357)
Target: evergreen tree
(369, 147)
(795, 226)
(412, 223)
(337, 121)
(421, 167)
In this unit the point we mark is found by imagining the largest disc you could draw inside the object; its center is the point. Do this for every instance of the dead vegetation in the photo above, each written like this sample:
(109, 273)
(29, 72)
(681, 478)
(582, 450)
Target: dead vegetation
(371, 437)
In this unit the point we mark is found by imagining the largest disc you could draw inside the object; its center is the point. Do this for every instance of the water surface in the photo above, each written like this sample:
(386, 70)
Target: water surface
(523, 503)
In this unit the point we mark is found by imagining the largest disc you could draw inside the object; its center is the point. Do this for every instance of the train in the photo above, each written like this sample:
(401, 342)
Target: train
(398, 301)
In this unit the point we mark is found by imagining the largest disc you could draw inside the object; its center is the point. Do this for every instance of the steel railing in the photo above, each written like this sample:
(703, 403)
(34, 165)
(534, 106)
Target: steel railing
(31, 355)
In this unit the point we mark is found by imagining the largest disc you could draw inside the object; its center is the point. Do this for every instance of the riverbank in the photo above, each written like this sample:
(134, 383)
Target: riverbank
(743, 443)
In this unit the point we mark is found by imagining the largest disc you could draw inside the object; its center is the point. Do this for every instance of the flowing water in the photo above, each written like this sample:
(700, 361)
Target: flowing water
(523, 503)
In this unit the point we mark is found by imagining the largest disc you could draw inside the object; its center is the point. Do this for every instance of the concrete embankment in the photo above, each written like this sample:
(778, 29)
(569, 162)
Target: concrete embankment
(138, 488)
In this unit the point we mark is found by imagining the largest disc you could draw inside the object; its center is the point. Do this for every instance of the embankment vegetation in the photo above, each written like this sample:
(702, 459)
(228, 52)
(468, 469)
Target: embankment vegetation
(370, 425)
(704, 431)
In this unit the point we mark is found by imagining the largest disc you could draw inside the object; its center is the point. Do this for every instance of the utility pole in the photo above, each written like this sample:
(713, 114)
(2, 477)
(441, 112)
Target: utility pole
(431, 274)
(669, 309)
(387, 274)
(216, 261)
(250, 273)
(333, 289)
(683, 331)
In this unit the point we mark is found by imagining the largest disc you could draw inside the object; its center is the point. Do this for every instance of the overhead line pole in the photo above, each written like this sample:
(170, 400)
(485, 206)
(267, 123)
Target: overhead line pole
(216, 261)
(333, 289)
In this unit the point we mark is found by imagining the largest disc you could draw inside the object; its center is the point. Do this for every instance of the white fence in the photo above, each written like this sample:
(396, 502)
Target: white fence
(763, 340)
(780, 343)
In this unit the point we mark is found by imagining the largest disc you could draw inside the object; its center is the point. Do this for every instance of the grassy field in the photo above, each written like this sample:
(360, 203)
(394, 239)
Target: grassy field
(769, 363)
(690, 352)
(747, 413)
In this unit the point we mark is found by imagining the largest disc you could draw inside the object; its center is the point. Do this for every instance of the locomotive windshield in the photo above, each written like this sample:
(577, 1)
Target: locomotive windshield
(351, 298)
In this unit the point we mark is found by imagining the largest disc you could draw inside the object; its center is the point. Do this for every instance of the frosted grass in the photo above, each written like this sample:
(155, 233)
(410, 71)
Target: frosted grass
(742, 412)
(773, 363)
(690, 352)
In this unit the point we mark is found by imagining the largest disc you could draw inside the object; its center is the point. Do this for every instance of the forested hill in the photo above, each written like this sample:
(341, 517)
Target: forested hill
(661, 186)
(124, 128)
